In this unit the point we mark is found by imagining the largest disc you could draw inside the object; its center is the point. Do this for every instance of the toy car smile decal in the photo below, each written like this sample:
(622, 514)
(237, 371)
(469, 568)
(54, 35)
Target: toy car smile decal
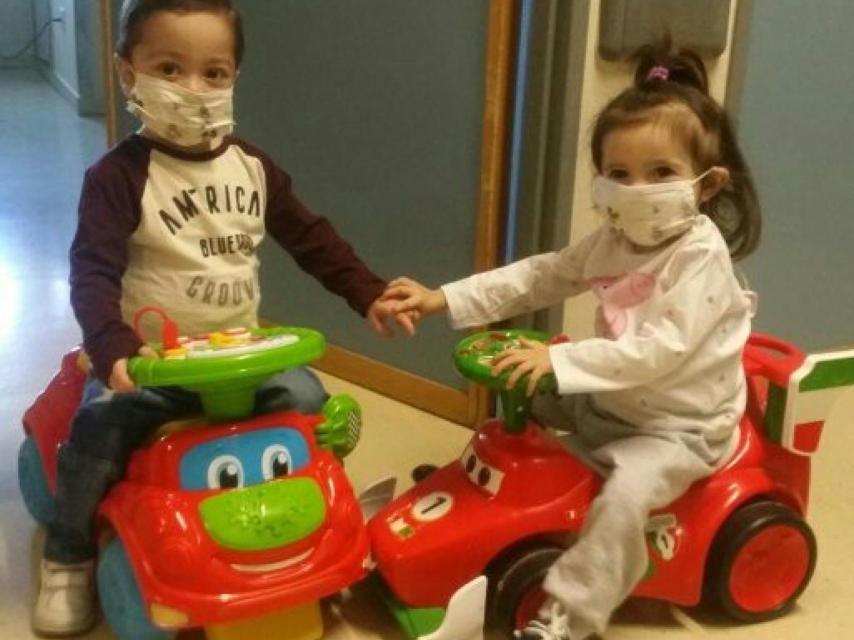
(272, 566)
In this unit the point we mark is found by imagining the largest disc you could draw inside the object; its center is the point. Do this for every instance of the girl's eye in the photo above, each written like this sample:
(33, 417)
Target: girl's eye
(618, 174)
(276, 462)
(664, 172)
(225, 472)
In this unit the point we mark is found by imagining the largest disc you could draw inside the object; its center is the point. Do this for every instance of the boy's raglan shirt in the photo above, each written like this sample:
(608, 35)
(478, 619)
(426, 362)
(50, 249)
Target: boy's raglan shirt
(671, 325)
(181, 231)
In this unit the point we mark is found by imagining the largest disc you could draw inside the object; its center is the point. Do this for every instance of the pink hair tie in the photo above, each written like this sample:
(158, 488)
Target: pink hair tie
(658, 73)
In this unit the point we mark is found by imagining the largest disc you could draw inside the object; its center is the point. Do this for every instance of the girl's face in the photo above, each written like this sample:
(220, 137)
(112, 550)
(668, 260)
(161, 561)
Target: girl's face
(645, 153)
(649, 153)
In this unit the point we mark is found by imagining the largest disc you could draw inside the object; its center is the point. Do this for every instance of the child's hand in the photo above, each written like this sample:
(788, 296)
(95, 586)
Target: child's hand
(410, 295)
(120, 381)
(533, 358)
(381, 311)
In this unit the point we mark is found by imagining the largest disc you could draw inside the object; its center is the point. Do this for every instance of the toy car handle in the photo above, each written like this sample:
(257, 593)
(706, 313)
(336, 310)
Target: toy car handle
(163, 372)
(308, 346)
(226, 383)
(473, 357)
(771, 358)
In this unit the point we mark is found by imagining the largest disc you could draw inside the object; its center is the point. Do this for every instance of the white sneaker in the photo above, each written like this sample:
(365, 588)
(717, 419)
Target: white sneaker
(552, 624)
(66, 602)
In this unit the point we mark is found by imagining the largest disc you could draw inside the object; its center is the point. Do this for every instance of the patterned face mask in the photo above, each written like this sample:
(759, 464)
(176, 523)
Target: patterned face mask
(647, 214)
(185, 118)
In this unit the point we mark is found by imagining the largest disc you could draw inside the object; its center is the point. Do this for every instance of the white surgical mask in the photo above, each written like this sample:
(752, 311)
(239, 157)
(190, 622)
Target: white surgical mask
(647, 214)
(184, 117)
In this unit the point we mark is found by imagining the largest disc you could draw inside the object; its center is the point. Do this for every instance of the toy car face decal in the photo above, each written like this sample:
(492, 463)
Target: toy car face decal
(481, 474)
(244, 459)
(266, 516)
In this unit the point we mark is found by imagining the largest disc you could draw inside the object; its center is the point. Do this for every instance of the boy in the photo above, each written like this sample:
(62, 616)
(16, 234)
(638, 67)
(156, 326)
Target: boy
(173, 216)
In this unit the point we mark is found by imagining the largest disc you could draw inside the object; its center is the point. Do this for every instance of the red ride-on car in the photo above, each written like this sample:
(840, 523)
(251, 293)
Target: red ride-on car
(221, 520)
(471, 542)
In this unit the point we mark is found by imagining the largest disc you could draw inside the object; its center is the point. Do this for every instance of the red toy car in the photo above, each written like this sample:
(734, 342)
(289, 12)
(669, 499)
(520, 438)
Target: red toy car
(470, 544)
(214, 523)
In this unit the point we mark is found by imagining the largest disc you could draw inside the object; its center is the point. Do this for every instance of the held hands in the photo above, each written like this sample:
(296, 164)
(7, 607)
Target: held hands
(120, 381)
(382, 311)
(532, 358)
(406, 296)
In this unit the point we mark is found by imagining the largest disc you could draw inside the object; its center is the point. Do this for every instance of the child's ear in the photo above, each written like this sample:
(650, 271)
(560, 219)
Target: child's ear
(125, 73)
(715, 180)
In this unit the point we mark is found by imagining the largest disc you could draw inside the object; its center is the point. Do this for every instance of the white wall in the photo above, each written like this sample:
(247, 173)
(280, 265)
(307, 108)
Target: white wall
(16, 29)
(63, 57)
(602, 81)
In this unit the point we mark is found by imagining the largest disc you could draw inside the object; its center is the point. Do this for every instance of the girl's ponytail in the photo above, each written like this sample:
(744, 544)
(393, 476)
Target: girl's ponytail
(658, 63)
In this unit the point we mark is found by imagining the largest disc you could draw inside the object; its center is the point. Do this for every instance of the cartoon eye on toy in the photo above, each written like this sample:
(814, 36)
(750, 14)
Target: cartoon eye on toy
(244, 459)
(225, 472)
(276, 462)
(471, 463)
(484, 476)
(481, 474)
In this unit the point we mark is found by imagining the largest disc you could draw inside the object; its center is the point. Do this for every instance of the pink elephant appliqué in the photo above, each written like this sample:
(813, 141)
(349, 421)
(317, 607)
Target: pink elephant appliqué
(616, 295)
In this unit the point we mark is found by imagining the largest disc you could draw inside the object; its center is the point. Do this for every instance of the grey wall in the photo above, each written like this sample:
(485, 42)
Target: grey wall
(795, 113)
(375, 107)
(16, 29)
(90, 67)
(41, 14)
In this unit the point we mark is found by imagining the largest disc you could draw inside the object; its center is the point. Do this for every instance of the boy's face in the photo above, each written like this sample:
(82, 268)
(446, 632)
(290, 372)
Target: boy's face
(193, 49)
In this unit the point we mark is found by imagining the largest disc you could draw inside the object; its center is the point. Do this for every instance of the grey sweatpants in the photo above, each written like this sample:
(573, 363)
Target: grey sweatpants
(644, 471)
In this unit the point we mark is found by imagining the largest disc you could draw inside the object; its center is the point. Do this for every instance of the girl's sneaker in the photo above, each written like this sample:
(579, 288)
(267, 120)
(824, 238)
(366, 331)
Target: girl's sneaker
(552, 624)
(66, 602)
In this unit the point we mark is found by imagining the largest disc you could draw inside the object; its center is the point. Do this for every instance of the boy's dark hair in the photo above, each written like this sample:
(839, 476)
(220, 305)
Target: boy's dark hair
(135, 12)
(672, 87)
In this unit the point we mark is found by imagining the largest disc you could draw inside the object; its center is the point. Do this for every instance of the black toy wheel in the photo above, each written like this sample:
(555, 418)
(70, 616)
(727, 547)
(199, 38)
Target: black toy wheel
(761, 561)
(422, 472)
(515, 587)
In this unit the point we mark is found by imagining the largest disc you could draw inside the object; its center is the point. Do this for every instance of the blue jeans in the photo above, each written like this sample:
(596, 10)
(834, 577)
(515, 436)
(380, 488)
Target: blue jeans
(109, 426)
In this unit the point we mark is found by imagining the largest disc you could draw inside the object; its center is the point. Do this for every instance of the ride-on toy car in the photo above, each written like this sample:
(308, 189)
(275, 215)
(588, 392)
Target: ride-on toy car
(234, 523)
(470, 543)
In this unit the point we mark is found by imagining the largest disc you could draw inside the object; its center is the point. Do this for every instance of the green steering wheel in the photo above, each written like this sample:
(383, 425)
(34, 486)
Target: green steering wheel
(227, 379)
(474, 356)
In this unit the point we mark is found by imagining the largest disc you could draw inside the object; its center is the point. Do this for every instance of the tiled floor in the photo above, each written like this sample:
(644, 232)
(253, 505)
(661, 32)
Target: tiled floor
(44, 148)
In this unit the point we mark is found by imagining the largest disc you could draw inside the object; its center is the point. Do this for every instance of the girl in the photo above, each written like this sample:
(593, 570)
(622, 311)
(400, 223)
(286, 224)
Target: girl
(653, 401)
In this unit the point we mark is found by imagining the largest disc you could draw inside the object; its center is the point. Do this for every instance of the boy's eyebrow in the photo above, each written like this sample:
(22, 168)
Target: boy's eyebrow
(167, 53)
(220, 60)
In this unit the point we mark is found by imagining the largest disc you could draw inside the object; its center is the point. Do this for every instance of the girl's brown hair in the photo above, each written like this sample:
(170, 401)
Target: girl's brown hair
(677, 94)
(135, 12)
